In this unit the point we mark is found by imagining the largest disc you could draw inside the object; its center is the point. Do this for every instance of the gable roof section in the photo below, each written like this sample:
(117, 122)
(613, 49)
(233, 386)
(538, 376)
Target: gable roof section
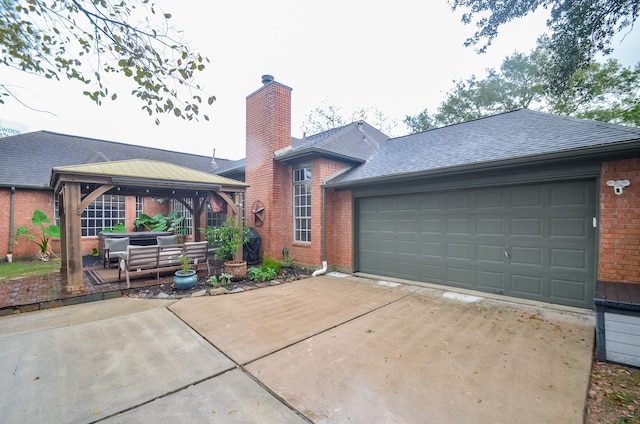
(353, 142)
(231, 167)
(27, 159)
(515, 137)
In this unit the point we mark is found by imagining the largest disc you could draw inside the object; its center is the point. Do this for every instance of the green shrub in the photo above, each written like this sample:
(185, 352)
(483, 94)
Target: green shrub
(221, 280)
(270, 263)
(261, 274)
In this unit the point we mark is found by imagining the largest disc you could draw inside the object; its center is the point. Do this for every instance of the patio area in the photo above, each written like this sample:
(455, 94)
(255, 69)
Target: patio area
(38, 292)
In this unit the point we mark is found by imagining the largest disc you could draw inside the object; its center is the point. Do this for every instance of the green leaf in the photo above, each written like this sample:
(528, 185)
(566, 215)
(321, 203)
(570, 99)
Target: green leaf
(39, 218)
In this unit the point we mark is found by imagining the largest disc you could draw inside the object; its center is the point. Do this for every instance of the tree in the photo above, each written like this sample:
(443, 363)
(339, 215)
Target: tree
(606, 92)
(328, 116)
(579, 29)
(88, 40)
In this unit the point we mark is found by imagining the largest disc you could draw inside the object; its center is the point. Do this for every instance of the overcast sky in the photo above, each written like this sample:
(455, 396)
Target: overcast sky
(398, 57)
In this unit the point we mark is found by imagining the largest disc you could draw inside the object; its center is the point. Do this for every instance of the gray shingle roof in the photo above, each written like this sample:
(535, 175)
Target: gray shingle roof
(27, 159)
(353, 142)
(522, 135)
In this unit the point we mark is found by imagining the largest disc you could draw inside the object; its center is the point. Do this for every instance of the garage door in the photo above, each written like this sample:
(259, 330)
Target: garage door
(531, 241)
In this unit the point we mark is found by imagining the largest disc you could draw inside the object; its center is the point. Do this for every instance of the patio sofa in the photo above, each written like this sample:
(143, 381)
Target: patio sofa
(162, 257)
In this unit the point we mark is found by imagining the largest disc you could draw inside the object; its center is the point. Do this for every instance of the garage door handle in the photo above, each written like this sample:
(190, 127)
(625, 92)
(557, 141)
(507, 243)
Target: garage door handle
(506, 254)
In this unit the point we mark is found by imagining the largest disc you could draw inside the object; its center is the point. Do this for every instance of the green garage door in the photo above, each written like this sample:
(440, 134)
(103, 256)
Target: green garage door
(531, 241)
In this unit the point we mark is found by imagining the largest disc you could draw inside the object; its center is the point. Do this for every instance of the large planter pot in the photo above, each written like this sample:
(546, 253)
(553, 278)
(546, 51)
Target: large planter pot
(185, 280)
(237, 269)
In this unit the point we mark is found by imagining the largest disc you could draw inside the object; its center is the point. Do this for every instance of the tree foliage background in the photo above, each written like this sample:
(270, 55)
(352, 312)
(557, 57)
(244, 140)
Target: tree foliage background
(606, 92)
(578, 29)
(87, 41)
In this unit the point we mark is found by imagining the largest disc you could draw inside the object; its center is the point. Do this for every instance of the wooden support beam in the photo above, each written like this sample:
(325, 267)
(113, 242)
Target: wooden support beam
(99, 191)
(73, 238)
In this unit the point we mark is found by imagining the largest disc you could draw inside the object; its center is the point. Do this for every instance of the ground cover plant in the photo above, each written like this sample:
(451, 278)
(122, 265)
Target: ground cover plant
(16, 269)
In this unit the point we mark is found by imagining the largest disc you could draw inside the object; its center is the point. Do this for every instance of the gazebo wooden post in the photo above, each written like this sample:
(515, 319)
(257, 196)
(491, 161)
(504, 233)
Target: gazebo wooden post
(63, 236)
(73, 238)
(239, 224)
(195, 224)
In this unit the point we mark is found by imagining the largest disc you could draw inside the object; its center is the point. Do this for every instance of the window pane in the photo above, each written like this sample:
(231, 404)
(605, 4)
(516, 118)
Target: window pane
(302, 204)
(104, 212)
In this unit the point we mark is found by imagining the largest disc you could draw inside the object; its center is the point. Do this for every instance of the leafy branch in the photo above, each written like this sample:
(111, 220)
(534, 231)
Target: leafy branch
(54, 40)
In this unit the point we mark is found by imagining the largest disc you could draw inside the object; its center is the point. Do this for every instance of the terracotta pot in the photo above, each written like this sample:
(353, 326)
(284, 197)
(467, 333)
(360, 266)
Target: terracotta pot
(237, 269)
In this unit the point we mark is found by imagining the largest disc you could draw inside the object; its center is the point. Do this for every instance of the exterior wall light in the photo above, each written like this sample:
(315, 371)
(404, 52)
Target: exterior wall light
(618, 185)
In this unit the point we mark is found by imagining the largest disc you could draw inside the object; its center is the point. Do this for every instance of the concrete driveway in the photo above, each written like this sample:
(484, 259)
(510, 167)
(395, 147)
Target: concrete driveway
(324, 350)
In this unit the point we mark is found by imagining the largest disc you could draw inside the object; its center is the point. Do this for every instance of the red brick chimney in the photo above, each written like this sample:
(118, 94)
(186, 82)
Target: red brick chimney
(268, 130)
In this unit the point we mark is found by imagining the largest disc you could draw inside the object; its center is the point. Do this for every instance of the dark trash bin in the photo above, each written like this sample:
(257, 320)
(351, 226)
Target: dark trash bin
(251, 250)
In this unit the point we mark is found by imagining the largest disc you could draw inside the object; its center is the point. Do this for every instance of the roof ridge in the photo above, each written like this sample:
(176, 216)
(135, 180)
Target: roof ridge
(119, 143)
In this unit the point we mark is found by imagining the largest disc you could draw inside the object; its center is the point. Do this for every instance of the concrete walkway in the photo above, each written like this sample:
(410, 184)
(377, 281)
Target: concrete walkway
(325, 350)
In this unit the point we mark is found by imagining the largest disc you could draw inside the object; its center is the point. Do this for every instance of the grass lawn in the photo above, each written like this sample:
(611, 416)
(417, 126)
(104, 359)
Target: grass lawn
(26, 268)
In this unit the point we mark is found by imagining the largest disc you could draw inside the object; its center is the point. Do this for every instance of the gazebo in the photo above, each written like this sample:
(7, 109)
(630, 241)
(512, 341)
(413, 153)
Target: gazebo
(79, 185)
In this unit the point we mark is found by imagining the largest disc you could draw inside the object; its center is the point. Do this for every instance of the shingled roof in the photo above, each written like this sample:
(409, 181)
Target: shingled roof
(353, 142)
(27, 159)
(520, 136)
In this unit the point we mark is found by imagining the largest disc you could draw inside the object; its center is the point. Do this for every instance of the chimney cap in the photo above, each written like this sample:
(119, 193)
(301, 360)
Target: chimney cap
(266, 79)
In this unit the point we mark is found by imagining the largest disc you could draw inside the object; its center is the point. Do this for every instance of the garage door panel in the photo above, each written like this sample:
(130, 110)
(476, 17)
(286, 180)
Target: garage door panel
(458, 200)
(490, 199)
(569, 258)
(431, 249)
(489, 227)
(432, 272)
(460, 238)
(572, 291)
(490, 281)
(430, 226)
(460, 277)
(458, 251)
(459, 226)
(489, 253)
(526, 227)
(569, 227)
(573, 194)
(526, 256)
(526, 197)
(526, 285)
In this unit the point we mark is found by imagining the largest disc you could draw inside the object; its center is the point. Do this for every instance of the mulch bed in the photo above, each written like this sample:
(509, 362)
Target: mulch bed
(285, 275)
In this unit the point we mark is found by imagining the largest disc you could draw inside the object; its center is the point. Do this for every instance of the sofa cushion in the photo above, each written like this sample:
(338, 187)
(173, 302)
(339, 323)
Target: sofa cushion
(167, 240)
(116, 244)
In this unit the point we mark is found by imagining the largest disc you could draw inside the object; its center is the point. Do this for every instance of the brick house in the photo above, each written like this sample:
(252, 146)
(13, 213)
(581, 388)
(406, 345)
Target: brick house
(518, 204)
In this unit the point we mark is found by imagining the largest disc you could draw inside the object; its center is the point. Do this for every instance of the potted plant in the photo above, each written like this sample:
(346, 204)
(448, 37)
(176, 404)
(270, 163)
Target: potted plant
(39, 219)
(226, 239)
(185, 278)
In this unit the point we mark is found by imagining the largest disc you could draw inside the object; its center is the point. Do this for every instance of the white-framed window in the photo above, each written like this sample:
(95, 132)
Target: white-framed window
(302, 204)
(104, 212)
(56, 209)
(139, 206)
(187, 224)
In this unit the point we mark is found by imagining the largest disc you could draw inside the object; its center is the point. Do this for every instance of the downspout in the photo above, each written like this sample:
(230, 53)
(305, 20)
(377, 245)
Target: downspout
(324, 222)
(324, 234)
(12, 219)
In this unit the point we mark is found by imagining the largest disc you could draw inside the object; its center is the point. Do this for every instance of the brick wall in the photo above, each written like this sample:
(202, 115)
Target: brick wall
(619, 247)
(340, 230)
(26, 201)
(268, 128)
